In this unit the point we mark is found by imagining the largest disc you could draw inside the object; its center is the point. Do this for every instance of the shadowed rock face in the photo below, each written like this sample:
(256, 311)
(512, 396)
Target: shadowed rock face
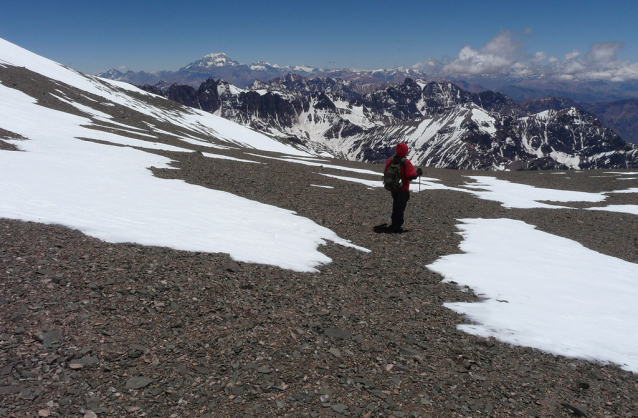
(620, 115)
(444, 125)
(183, 94)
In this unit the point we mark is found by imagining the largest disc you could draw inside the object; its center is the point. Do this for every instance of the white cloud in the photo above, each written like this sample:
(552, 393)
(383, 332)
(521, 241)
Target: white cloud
(504, 54)
(573, 67)
(539, 56)
(499, 54)
(603, 52)
(572, 55)
(600, 63)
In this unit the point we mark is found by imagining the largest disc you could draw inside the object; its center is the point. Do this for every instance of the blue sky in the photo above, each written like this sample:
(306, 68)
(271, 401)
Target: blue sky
(94, 36)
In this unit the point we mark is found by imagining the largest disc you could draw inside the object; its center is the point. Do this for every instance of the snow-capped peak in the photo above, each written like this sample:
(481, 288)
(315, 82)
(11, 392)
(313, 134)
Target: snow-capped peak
(263, 64)
(218, 59)
(304, 68)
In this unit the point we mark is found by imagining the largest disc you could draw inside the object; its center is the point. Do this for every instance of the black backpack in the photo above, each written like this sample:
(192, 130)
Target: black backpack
(392, 180)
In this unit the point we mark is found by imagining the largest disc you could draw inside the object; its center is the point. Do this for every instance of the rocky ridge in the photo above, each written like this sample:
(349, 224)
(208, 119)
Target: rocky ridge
(444, 125)
(610, 101)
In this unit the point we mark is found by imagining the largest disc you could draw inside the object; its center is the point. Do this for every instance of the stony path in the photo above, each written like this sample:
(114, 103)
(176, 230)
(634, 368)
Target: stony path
(89, 328)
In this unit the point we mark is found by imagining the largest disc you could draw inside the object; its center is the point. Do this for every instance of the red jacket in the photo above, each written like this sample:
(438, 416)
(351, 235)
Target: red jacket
(407, 170)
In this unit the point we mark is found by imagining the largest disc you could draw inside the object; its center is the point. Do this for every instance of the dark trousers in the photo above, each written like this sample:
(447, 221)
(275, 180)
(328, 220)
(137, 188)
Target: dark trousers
(399, 203)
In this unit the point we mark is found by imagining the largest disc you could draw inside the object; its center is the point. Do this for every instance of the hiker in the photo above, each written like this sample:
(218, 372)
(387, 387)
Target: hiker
(400, 191)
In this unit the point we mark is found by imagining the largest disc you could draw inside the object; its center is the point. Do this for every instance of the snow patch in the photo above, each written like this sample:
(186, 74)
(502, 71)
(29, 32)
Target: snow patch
(548, 293)
(521, 196)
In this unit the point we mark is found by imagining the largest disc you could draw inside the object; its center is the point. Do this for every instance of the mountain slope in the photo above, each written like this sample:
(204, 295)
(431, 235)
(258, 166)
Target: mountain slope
(620, 115)
(86, 147)
(97, 327)
(122, 101)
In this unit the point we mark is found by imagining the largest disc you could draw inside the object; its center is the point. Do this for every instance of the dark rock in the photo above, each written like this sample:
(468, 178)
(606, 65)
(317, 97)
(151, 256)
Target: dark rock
(577, 410)
(10, 390)
(93, 402)
(138, 382)
(231, 266)
(27, 374)
(410, 353)
(49, 338)
(378, 393)
(339, 408)
(337, 333)
(85, 361)
(6, 370)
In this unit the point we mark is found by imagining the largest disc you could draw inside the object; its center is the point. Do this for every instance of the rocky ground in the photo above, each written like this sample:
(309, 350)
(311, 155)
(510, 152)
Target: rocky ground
(90, 328)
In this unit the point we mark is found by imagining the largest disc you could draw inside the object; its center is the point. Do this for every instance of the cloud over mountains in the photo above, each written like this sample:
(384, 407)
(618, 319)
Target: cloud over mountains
(504, 54)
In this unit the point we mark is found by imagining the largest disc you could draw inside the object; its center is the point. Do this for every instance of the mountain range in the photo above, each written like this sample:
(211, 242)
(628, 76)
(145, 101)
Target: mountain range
(444, 125)
(614, 103)
(517, 85)
(220, 66)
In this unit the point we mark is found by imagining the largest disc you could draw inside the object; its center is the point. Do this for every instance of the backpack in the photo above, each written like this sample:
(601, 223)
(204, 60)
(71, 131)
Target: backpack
(392, 180)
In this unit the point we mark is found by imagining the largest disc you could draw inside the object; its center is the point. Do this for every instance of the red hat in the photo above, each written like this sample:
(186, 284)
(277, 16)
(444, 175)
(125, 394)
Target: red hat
(402, 149)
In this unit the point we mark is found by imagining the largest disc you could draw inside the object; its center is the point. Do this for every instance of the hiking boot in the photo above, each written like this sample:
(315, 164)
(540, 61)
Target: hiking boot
(397, 229)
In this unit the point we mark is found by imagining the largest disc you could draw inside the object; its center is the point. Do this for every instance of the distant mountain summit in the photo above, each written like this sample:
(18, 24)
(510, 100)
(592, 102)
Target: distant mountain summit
(214, 60)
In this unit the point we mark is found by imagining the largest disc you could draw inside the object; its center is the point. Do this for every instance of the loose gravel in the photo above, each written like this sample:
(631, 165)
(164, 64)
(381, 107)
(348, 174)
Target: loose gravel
(90, 328)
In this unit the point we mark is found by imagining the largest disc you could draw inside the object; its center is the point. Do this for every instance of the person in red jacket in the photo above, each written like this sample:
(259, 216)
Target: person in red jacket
(400, 198)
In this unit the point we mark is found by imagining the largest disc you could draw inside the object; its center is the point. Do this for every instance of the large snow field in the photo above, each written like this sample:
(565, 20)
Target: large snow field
(108, 192)
(549, 293)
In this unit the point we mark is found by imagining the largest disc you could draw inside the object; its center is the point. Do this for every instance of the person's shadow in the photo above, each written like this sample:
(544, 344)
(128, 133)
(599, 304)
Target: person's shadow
(386, 229)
